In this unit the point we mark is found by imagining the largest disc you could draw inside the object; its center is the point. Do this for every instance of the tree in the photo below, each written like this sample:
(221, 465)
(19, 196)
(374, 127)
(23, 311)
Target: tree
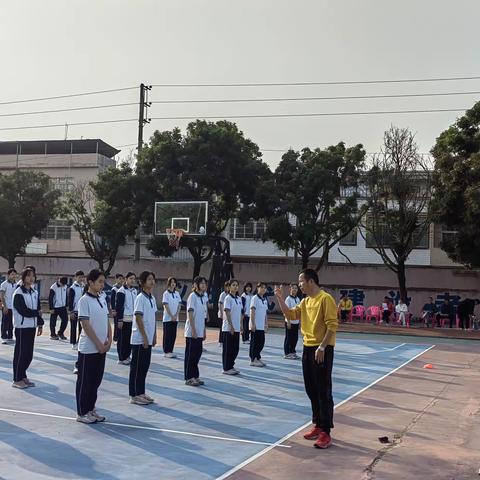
(27, 204)
(457, 187)
(305, 212)
(212, 162)
(399, 189)
(102, 226)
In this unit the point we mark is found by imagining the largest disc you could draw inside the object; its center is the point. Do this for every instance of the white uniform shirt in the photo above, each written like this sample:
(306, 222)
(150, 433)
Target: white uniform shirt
(221, 299)
(95, 310)
(401, 308)
(146, 306)
(196, 305)
(260, 305)
(8, 288)
(32, 302)
(173, 300)
(235, 306)
(248, 300)
(59, 295)
(292, 302)
(77, 292)
(129, 305)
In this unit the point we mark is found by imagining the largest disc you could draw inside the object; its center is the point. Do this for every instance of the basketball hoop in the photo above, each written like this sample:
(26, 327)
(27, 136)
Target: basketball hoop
(174, 236)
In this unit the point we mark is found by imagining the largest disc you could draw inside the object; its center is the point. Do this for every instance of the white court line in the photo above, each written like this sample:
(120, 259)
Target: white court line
(291, 434)
(155, 429)
(371, 353)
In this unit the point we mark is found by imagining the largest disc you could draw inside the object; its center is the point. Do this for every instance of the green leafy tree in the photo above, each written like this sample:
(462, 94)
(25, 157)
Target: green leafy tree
(457, 187)
(302, 202)
(399, 190)
(27, 204)
(212, 162)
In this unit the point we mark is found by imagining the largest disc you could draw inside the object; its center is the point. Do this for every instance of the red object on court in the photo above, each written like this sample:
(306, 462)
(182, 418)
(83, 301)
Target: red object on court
(313, 434)
(324, 441)
(428, 366)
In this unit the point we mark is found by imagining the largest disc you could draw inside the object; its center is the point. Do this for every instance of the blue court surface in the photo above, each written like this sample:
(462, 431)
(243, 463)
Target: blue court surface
(190, 433)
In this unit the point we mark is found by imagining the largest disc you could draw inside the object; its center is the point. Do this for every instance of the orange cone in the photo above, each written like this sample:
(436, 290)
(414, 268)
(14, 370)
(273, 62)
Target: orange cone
(428, 366)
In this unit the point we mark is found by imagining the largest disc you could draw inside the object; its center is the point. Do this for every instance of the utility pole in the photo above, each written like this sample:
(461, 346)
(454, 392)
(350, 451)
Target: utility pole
(142, 120)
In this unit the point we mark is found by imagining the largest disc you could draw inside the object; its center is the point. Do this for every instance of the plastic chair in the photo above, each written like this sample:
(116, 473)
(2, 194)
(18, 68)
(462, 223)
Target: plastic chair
(374, 312)
(358, 311)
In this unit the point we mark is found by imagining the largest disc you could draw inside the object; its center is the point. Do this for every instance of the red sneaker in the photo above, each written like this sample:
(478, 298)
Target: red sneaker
(313, 434)
(324, 440)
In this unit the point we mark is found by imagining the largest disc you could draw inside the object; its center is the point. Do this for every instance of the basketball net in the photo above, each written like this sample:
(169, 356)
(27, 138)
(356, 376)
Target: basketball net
(174, 236)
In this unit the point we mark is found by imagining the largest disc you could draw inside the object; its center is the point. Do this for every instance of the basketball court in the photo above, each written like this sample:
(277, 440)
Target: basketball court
(211, 432)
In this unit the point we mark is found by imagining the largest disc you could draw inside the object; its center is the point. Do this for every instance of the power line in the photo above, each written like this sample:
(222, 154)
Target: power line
(296, 99)
(27, 127)
(93, 107)
(70, 95)
(343, 82)
(326, 114)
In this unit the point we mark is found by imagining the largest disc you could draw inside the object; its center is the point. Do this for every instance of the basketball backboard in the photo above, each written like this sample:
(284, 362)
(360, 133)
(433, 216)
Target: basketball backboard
(190, 216)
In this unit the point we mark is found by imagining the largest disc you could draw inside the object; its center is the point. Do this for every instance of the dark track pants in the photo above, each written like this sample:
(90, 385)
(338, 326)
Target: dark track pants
(7, 325)
(193, 353)
(141, 358)
(169, 336)
(246, 331)
(63, 314)
(90, 374)
(23, 352)
(124, 347)
(291, 339)
(231, 346)
(257, 342)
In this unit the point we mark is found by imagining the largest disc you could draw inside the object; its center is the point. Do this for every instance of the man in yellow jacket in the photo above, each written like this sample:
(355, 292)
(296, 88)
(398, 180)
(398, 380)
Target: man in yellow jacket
(319, 322)
(345, 306)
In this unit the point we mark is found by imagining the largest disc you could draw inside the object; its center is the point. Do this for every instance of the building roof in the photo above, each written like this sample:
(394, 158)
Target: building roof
(51, 147)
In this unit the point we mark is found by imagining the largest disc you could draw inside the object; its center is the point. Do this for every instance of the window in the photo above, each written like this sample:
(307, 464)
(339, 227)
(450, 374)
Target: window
(252, 230)
(421, 239)
(57, 230)
(443, 235)
(62, 184)
(350, 239)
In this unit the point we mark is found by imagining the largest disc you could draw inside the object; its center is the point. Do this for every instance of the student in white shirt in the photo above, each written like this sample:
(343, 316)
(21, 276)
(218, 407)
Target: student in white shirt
(6, 302)
(124, 306)
(291, 326)
(231, 327)
(195, 332)
(258, 325)
(57, 302)
(119, 281)
(144, 337)
(172, 302)
(27, 320)
(402, 310)
(221, 299)
(95, 342)
(74, 294)
(246, 300)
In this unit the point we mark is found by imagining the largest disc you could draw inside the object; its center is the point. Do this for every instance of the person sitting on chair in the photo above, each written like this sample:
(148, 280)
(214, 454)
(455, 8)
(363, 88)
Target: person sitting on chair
(428, 312)
(402, 310)
(446, 311)
(345, 306)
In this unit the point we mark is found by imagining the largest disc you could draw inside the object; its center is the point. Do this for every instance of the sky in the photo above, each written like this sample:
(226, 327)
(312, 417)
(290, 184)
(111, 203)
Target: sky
(60, 47)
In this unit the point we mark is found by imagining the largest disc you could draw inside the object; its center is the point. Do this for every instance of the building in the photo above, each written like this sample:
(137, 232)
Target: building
(66, 162)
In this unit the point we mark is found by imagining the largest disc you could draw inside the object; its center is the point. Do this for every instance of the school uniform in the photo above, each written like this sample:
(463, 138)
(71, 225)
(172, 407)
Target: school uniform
(246, 300)
(8, 288)
(75, 292)
(113, 296)
(291, 334)
(194, 346)
(125, 304)
(257, 342)
(221, 299)
(173, 300)
(57, 301)
(231, 342)
(91, 363)
(27, 317)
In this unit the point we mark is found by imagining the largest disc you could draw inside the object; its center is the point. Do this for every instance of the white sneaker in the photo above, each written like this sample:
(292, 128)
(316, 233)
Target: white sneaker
(139, 401)
(204, 350)
(75, 347)
(99, 418)
(200, 381)
(288, 356)
(232, 371)
(75, 371)
(124, 362)
(257, 363)
(192, 382)
(262, 362)
(4, 342)
(148, 398)
(170, 355)
(88, 418)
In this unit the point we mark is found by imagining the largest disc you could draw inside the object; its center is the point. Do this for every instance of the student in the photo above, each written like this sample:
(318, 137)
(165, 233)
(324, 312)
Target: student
(27, 320)
(6, 302)
(231, 327)
(124, 306)
(446, 311)
(386, 310)
(246, 300)
(144, 337)
(119, 281)
(465, 312)
(172, 303)
(402, 311)
(258, 325)
(57, 302)
(221, 299)
(319, 322)
(74, 293)
(291, 326)
(345, 306)
(95, 342)
(195, 332)
(428, 312)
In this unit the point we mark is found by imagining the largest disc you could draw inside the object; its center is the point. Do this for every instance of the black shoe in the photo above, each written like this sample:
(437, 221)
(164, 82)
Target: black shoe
(54, 337)
(62, 337)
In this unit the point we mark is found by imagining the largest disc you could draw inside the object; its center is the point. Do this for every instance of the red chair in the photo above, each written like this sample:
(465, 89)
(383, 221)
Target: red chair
(358, 312)
(374, 312)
